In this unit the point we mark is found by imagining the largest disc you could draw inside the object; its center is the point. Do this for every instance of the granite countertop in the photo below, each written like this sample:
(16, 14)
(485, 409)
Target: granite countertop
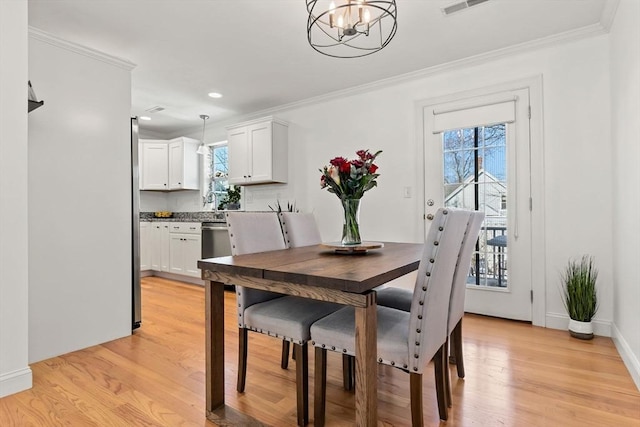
(185, 217)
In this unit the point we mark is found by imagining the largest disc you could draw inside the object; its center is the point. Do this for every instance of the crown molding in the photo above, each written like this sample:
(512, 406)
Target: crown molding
(592, 30)
(609, 13)
(49, 38)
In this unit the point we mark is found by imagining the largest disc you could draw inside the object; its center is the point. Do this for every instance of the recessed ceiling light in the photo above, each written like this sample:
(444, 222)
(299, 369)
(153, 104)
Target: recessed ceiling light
(144, 118)
(215, 95)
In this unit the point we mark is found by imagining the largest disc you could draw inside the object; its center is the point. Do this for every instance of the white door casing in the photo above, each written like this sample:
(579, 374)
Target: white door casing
(524, 170)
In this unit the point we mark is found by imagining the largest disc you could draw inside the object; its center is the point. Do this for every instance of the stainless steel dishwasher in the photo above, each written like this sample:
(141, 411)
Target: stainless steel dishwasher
(215, 240)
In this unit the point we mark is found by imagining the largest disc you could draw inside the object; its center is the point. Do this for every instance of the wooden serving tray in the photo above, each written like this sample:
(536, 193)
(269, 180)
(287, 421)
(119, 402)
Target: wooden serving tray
(363, 247)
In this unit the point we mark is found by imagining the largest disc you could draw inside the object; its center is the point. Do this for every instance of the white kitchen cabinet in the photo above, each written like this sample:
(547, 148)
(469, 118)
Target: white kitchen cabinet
(146, 245)
(184, 248)
(170, 165)
(184, 165)
(154, 168)
(174, 247)
(160, 248)
(258, 152)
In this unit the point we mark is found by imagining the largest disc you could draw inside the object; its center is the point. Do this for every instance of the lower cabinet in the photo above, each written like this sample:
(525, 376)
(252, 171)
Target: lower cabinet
(171, 247)
(159, 238)
(184, 253)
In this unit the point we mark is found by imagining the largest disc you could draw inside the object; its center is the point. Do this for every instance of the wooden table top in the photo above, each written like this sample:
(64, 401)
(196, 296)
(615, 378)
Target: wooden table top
(322, 267)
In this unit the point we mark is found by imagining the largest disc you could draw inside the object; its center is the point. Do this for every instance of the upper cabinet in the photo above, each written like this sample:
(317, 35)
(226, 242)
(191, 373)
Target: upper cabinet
(258, 152)
(169, 165)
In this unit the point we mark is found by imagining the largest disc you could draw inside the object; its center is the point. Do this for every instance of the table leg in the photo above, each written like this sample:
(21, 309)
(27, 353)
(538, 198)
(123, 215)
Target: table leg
(366, 364)
(214, 345)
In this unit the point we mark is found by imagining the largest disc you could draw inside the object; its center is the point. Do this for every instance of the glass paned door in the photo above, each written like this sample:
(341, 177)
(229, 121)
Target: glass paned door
(478, 157)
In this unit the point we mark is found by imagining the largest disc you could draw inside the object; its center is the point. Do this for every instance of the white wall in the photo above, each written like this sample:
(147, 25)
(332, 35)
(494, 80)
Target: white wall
(577, 157)
(79, 199)
(625, 113)
(15, 374)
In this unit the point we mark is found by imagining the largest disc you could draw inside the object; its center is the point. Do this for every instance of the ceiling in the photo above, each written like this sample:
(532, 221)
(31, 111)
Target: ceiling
(255, 52)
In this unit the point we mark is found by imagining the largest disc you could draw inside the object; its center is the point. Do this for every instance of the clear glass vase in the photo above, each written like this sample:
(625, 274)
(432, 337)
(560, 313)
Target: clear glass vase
(350, 227)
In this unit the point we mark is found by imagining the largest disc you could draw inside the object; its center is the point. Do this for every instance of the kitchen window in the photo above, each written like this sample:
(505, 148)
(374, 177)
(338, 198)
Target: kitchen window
(216, 174)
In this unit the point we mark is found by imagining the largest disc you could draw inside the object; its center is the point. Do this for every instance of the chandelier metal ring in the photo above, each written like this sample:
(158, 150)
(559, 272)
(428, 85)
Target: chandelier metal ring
(349, 30)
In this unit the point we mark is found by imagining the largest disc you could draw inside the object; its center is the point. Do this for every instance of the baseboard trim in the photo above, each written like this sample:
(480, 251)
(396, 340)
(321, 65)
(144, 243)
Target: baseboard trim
(561, 321)
(630, 360)
(177, 277)
(16, 381)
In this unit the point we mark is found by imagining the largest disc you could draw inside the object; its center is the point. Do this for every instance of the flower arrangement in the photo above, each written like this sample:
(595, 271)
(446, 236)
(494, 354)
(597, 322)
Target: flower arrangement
(349, 180)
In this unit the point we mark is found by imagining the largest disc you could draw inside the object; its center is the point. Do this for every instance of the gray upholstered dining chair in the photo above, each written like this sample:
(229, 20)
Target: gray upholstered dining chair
(286, 317)
(406, 340)
(400, 298)
(299, 229)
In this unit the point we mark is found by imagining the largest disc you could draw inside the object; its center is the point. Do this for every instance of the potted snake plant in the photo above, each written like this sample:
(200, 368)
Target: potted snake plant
(580, 296)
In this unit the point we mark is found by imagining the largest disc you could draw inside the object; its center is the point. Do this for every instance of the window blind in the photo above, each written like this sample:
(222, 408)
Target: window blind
(460, 117)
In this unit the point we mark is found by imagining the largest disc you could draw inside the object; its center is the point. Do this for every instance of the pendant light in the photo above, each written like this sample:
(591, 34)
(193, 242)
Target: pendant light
(351, 28)
(202, 149)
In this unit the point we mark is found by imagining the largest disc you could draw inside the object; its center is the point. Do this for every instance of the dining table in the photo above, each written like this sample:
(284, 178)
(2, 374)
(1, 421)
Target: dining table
(318, 272)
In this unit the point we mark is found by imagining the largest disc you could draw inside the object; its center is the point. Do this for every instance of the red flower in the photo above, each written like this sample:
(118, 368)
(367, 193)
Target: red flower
(365, 155)
(338, 161)
(345, 167)
(357, 163)
(373, 168)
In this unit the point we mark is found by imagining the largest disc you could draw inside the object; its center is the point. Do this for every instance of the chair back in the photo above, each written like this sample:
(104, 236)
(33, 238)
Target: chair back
(430, 304)
(459, 287)
(299, 229)
(251, 232)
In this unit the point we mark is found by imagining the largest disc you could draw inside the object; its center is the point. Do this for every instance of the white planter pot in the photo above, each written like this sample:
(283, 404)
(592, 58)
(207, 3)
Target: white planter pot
(581, 330)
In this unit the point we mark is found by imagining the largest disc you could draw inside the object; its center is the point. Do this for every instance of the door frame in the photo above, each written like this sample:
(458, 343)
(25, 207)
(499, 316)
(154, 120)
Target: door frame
(536, 136)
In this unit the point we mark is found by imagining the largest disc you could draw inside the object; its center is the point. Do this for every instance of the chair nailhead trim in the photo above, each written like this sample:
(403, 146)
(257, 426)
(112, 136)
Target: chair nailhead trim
(333, 347)
(418, 330)
(322, 345)
(404, 366)
(344, 350)
(380, 360)
(393, 363)
(417, 342)
(415, 369)
(436, 243)
(313, 343)
(421, 302)
(428, 274)
(420, 316)
(416, 356)
(440, 228)
(424, 288)
(431, 260)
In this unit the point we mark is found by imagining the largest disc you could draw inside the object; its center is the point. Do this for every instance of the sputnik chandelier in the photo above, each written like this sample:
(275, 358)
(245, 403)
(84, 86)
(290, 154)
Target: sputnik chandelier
(352, 28)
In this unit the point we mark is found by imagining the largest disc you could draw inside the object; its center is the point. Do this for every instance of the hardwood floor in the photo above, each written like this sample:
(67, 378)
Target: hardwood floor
(516, 375)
